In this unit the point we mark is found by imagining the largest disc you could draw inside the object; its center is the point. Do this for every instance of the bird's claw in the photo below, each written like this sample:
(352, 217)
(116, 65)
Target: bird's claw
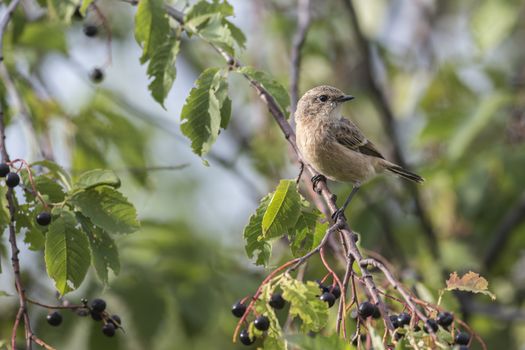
(315, 180)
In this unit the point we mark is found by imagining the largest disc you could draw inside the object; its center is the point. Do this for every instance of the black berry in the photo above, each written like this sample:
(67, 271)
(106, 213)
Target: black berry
(462, 338)
(366, 309)
(431, 324)
(12, 180)
(238, 309)
(90, 30)
(403, 319)
(115, 319)
(262, 323)
(54, 318)
(44, 218)
(336, 291)
(108, 329)
(4, 169)
(329, 298)
(395, 322)
(244, 337)
(96, 75)
(324, 288)
(97, 316)
(376, 314)
(277, 301)
(98, 305)
(463, 347)
(445, 319)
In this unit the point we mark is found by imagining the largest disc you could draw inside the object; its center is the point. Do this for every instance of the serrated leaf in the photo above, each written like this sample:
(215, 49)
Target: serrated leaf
(108, 209)
(97, 177)
(35, 239)
(67, 253)
(259, 248)
(206, 109)
(283, 210)
(151, 26)
(308, 232)
(104, 251)
(278, 91)
(162, 69)
(305, 303)
(469, 282)
(203, 8)
(237, 34)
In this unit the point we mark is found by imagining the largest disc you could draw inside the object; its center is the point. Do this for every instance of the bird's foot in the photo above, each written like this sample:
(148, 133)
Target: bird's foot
(315, 180)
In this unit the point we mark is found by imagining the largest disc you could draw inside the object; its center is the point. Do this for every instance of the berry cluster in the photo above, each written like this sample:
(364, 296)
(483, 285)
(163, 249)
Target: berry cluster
(261, 322)
(12, 180)
(97, 310)
(329, 294)
(444, 319)
(90, 30)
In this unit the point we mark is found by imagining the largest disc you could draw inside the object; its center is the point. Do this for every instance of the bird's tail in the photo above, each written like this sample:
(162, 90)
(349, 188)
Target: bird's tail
(405, 174)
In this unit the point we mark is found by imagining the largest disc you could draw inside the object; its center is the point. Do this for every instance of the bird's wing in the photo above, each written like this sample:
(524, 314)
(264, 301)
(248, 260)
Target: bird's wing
(349, 135)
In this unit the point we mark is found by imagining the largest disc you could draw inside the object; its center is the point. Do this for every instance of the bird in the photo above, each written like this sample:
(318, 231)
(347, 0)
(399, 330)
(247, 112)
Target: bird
(335, 146)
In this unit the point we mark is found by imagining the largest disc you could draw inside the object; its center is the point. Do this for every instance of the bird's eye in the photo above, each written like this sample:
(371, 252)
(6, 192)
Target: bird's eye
(323, 98)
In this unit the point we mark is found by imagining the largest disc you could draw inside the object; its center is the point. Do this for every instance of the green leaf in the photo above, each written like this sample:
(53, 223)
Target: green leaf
(256, 245)
(4, 213)
(104, 251)
(55, 170)
(108, 209)
(206, 109)
(305, 303)
(97, 177)
(151, 27)
(283, 210)
(237, 34)
(35, 238)
(208, 20)
(67, 253)
(162, 69)
(279, 93)
(308, 232)
(5, 294)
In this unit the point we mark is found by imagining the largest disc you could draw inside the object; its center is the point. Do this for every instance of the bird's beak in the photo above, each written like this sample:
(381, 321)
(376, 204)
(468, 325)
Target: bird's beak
(345, 98)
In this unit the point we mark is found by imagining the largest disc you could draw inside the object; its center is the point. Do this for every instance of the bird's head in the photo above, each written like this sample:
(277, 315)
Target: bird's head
(321, 102)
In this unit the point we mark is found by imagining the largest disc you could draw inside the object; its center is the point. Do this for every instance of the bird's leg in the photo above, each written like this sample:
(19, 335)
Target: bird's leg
(315, 180)
(301, 169)
(341, 211)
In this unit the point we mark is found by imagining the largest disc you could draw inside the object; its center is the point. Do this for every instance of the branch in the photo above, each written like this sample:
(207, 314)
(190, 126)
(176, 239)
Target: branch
(390, 124)
(303, 22)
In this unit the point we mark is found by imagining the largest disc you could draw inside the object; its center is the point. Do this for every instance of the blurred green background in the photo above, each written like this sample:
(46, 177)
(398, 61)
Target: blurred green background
(452, 74)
